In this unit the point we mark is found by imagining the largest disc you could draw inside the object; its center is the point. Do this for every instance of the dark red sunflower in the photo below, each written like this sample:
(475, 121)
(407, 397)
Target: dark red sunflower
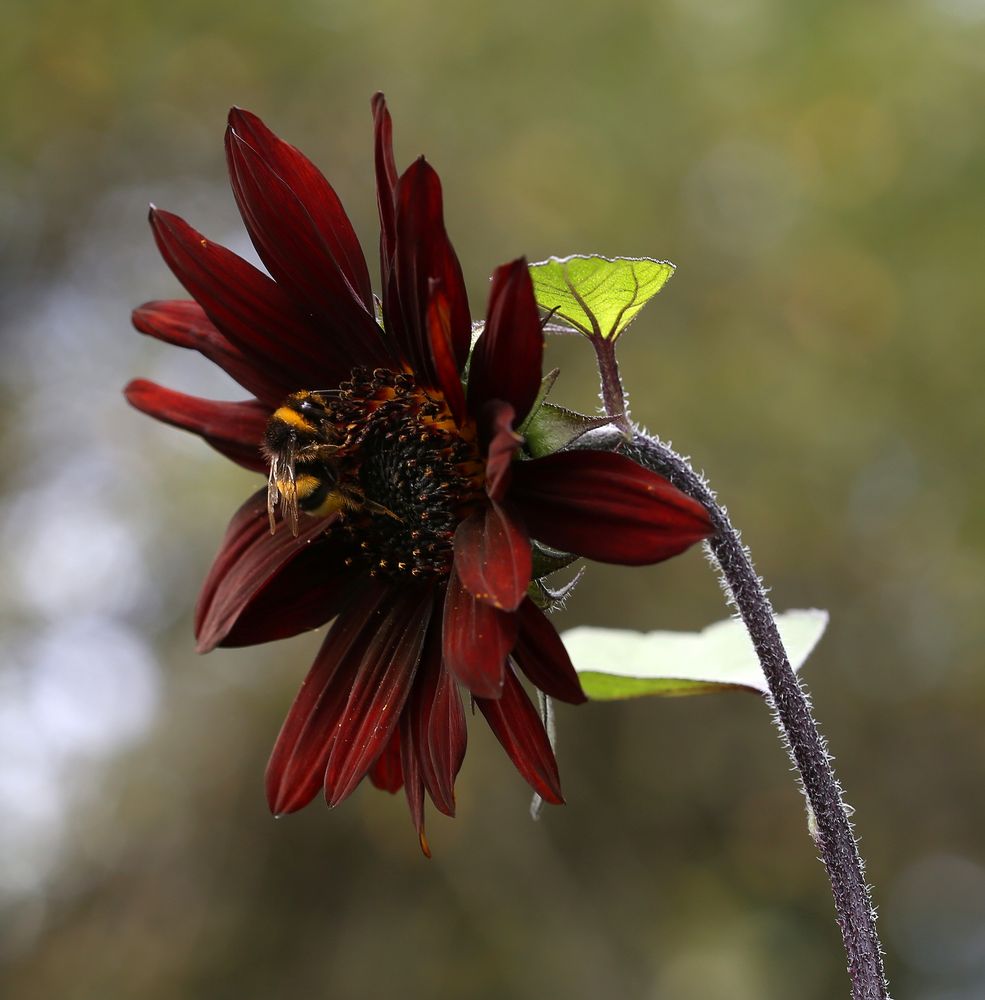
(423, 561)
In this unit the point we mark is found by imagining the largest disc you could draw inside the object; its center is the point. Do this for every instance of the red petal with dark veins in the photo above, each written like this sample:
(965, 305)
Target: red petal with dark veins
(447, 737)
(307, 593)
(317, 196)
(540, 654)
(301, 595)
(493, 557)
(265, 586)
(297, 765)
(185, 324)
(507, 359)
(476, 639)
(438, 724)
(414, 784)
(234, 429)
(382, 684)
(386, 185)
(606, 507)
(423, 253)
(393, 321)
(387, 773)
(517, 726)
(497, 425)
(442, 357)
(249, 308)
(288, 242)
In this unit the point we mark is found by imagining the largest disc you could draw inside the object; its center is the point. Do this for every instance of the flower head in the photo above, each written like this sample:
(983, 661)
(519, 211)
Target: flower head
(401, 503)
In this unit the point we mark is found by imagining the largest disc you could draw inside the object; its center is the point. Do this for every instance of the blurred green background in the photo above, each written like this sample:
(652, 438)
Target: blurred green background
(816, 171)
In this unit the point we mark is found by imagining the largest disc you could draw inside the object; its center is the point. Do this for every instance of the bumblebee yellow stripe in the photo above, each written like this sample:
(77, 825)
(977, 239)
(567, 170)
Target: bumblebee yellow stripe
(292, 418)
(306, 485)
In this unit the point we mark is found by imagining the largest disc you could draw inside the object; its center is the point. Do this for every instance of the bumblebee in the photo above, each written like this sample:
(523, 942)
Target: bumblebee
(305, 473)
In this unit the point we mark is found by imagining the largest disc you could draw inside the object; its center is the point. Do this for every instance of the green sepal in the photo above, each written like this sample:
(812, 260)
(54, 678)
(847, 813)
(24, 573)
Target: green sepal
(551, 598)
(547, 560)
(599, 296)
(537, 593)
(546, 384)
(555, 427)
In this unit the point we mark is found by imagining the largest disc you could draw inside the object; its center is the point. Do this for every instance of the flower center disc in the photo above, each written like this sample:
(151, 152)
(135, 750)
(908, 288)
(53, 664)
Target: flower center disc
(410, 473)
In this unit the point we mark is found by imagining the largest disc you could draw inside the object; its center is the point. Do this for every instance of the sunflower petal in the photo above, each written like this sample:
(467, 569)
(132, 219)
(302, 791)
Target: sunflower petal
(517, 726)
(438, 725)
(233, 429)
(289, 243)
(265, 586)
(606, 507)
(442, 359)
(413, 780)
(447, 736)
(493, 556)
(500, 446)
(540, 654)
(380, 689)
(387, 773)
(248, 307)
(386, 185)
(185, 324)
(476, 639)
(508, 357)
(317, 196)
(297, 765)
(422, 254)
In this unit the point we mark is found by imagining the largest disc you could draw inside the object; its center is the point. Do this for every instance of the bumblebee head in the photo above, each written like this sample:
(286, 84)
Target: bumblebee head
(294, 424)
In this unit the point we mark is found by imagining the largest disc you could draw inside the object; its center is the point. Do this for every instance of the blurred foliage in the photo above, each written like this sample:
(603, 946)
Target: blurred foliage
(815, 171)
(613, 663)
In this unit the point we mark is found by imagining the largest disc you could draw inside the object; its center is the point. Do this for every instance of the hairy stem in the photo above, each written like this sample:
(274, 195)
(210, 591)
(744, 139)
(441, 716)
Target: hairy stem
(613, 394)
(834, 837)
(792, 711)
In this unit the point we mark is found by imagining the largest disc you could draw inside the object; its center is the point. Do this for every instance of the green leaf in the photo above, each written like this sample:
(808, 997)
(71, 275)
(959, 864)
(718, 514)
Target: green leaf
(618, 663)
(597, 295)
(555, 427)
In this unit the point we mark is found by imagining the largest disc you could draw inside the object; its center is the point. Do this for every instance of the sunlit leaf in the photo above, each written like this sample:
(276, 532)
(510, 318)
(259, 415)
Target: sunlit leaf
(597, 295)
(619, 663)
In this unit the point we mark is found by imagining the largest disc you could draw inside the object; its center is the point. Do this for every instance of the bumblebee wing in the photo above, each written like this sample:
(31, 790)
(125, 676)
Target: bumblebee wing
(282, 489)
(273, 494)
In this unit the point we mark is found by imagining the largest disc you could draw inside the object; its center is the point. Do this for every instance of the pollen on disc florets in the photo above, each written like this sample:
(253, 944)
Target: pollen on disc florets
(419, 473)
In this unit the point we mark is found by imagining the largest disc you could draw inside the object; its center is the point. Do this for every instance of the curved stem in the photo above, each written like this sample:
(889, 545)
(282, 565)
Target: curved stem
(806, 746)
(830, 828)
